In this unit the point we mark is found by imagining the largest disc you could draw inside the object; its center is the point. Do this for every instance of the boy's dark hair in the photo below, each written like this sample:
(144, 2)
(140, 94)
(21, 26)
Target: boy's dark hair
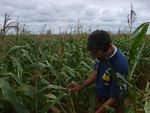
(98, 40)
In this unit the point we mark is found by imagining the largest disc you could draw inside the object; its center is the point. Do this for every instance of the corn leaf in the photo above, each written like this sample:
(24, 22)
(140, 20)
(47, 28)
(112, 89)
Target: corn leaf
(138, 40)
(8, 92)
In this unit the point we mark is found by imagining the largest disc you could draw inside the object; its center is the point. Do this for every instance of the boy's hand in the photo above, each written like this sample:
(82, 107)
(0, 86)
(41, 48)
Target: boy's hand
(74, 87)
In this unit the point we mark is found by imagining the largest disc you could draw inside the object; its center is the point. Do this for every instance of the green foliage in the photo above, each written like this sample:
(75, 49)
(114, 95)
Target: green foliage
(34, 73)
(12, 98)
(137, 45)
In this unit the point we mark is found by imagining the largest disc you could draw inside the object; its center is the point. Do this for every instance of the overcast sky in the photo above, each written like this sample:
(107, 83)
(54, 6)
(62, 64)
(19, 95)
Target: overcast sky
(101, 14)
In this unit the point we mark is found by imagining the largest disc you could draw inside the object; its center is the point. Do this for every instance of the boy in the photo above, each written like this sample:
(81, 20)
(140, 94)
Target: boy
(108, 57)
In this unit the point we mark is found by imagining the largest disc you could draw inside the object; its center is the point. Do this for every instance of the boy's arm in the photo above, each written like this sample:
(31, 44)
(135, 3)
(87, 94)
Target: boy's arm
(74, 86)
(110, 102)
(89, 81)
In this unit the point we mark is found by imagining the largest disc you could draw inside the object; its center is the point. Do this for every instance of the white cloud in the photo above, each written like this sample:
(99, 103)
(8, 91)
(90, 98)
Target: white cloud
(106, 14)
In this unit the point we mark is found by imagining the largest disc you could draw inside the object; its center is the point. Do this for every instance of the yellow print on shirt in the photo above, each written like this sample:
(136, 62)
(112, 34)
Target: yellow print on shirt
(106, 77)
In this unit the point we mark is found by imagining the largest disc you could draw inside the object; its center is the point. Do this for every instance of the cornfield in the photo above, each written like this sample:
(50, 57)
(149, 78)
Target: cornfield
(35, 72)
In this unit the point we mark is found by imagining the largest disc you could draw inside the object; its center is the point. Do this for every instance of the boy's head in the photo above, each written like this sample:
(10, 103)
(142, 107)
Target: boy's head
(99, 42)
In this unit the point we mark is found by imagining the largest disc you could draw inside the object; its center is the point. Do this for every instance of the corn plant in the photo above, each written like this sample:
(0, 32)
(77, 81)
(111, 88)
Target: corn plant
(34, 73)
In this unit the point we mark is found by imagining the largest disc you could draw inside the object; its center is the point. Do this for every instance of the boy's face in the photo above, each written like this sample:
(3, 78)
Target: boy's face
(100, 55)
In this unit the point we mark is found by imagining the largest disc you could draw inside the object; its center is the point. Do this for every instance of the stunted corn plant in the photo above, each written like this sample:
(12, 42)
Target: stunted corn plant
(131, 17)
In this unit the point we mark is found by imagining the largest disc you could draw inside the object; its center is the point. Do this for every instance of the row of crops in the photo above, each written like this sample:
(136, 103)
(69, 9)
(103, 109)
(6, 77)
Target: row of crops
(34, 73)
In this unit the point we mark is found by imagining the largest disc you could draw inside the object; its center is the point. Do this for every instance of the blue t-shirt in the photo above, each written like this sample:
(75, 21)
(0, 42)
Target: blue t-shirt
(109, 87)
